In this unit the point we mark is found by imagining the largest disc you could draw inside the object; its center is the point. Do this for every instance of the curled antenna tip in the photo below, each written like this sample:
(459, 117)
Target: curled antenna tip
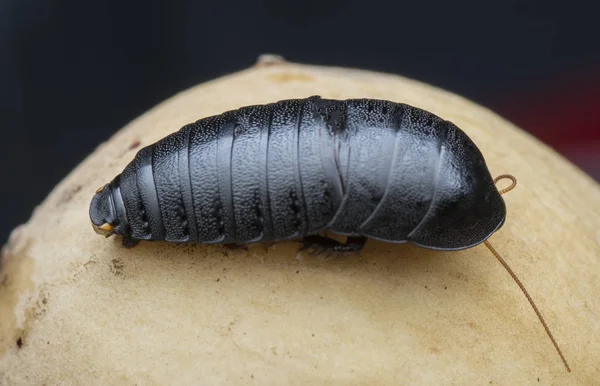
(506, 176)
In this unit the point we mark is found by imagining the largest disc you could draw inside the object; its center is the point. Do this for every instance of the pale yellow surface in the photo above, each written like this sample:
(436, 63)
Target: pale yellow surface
(89, 312)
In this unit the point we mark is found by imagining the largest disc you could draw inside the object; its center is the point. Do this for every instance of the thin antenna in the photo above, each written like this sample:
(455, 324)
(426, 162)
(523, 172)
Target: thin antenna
(516, 279)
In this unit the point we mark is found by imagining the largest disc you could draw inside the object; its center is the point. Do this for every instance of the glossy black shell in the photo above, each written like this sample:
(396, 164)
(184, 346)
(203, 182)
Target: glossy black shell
(283, 170)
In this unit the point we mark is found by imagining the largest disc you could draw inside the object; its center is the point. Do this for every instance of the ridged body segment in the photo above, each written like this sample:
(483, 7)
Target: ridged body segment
(281, 170)
(168, 181)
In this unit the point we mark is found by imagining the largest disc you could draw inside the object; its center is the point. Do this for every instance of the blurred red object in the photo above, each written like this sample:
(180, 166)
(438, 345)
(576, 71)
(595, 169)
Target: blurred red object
(566, 116)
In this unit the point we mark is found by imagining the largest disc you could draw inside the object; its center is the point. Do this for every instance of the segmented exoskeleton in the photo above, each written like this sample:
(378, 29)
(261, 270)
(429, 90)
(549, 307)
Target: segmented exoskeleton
(358, 167)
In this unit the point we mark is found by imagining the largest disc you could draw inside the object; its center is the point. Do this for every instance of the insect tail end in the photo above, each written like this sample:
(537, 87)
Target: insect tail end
(102, 212)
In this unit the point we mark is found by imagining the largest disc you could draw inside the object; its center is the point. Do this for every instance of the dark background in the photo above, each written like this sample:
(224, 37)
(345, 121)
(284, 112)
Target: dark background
(74, 72)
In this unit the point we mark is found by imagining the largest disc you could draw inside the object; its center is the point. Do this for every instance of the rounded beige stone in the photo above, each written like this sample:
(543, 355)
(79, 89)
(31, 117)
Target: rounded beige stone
(76, 308)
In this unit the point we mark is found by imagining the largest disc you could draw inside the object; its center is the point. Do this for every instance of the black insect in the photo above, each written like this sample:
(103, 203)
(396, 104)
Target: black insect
(362, 168)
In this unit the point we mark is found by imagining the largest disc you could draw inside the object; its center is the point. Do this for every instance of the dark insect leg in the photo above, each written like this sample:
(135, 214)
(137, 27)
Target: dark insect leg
(321, 244)
(128, 242)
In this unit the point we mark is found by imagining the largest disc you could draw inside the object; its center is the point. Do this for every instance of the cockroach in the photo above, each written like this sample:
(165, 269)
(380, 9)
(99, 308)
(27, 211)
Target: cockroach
(360, 168)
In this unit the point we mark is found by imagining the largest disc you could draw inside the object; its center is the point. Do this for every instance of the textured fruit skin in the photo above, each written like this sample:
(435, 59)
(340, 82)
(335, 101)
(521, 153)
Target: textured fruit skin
(267, 173)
